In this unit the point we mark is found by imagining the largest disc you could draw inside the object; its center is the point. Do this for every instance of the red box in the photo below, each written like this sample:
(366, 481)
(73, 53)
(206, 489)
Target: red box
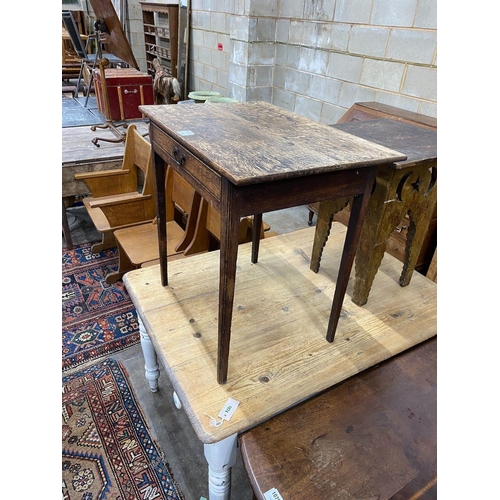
(127, 89)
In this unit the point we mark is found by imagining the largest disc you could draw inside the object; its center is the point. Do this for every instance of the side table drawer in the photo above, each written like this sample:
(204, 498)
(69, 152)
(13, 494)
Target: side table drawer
(205, 179)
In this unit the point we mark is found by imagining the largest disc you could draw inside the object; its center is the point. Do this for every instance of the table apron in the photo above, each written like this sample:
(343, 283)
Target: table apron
(252, 199)
(267, 197)
(194, 181)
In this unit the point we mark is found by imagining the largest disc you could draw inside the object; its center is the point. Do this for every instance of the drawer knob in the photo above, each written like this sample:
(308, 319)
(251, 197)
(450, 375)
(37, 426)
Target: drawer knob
(178, 157)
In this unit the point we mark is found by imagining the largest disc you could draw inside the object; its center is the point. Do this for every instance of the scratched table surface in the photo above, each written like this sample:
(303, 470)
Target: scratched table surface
(373, 436)
(254, 142)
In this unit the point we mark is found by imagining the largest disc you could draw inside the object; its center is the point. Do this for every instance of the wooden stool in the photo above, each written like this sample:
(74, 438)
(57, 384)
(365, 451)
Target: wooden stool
(372, 436)
(406, 187)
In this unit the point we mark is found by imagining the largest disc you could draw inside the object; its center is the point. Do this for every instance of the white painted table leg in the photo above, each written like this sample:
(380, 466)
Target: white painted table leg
(150, 360)
(221, 457)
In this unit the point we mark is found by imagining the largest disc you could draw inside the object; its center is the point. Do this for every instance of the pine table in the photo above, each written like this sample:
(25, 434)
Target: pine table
(279, 355)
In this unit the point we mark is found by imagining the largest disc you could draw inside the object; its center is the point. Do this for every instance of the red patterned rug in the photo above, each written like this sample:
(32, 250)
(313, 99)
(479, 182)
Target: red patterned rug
(97, 319)
(107, 451)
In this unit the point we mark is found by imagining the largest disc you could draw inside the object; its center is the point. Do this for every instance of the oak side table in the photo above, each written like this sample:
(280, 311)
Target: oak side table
(250, 158)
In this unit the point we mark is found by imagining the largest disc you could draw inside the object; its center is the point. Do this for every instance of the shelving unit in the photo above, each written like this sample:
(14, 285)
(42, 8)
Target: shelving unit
(161, 32)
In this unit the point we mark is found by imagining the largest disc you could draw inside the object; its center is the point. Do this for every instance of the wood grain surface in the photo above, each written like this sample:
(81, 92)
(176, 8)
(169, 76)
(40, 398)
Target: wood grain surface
(417, 143)
(372, 436)
(279, 355)
(254, 142)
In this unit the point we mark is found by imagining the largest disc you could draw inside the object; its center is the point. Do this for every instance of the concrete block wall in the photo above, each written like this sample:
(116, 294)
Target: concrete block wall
(209, 54)
(361, 50)
(317, 58)
(313, 58)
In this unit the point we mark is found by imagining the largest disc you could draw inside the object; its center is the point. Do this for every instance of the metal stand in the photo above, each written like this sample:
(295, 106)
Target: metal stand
(120, 137)
(80, 75)
(113, 127)
(110, 32)
(103, 63)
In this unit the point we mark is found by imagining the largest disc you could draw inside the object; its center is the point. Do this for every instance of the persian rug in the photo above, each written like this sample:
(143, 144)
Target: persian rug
(107, 450)
(97, 319)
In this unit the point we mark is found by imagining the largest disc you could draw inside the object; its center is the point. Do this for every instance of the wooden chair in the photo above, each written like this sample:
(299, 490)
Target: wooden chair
(205, 238)
(207, 232)
(139, 244)
(118, 200)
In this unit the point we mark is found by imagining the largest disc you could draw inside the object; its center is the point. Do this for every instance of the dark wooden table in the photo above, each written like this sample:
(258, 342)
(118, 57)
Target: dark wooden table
(407, 186)
(372, 436)
(251, 158)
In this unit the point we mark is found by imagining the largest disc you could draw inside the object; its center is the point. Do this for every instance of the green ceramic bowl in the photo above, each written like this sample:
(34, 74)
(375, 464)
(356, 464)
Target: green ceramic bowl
(202, 96)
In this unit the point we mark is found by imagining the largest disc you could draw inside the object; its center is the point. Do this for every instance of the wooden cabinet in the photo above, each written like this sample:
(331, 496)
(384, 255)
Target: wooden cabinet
(161, 33)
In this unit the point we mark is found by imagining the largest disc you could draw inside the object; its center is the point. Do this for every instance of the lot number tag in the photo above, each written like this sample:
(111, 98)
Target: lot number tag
(229, 408)
(273, 494)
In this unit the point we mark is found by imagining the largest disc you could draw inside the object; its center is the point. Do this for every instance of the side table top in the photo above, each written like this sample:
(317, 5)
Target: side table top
(279, 355)
(419, 144)
(253, 142)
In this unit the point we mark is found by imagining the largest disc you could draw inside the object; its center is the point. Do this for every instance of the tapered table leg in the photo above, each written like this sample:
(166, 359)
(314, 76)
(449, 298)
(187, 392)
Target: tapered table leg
(230, 225)
(160, 167)
(256, 229)
(358, 208)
